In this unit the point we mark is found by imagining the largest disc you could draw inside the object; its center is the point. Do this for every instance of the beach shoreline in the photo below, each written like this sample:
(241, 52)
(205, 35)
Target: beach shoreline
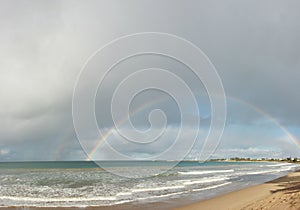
(281, 193)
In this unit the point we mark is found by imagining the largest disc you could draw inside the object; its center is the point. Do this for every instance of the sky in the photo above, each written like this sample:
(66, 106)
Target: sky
(254, 46)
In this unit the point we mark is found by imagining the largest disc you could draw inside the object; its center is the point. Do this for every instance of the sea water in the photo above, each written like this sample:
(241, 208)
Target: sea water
(83, 183)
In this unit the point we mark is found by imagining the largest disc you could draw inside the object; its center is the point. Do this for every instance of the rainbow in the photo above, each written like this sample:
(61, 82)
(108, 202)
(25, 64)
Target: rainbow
(109, 132)
(270, 117)
(257, 109)
(65, 140)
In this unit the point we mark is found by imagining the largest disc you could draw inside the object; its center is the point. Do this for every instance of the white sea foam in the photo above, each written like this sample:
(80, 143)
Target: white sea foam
(258, 172)
(282, 168)
(143, 193)
(78, 189)
(162, 196)
(212, 187)
(288, 168)
(205, 180)
(204, 172)
(159, 192)
(183, 192)
(279, 164)
(157, 189)
(65, 199)
(263, 172)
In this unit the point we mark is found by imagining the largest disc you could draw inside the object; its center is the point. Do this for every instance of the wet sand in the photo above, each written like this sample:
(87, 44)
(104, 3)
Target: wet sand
(282, 193)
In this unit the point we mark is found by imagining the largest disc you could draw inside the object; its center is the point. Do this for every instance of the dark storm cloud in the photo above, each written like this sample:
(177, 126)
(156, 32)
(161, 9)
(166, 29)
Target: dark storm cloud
(253, 44)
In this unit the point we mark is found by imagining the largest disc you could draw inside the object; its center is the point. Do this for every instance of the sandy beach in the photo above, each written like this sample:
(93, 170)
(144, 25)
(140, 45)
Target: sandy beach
(281, 193)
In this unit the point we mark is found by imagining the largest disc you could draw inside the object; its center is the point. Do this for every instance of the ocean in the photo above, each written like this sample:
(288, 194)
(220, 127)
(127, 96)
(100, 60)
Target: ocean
(83, 183)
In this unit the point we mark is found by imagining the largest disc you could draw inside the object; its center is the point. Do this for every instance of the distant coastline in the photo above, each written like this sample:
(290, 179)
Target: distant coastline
(242, 159)
(230, 159)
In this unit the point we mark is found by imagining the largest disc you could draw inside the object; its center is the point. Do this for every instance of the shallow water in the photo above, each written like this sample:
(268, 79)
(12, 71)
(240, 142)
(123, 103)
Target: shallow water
(85, 184)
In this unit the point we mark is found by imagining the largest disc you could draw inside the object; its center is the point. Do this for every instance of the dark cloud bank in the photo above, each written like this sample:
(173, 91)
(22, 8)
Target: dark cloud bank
(253, 44)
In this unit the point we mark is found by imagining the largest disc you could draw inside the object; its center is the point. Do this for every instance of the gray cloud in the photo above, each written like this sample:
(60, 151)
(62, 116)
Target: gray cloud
(253, 44)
